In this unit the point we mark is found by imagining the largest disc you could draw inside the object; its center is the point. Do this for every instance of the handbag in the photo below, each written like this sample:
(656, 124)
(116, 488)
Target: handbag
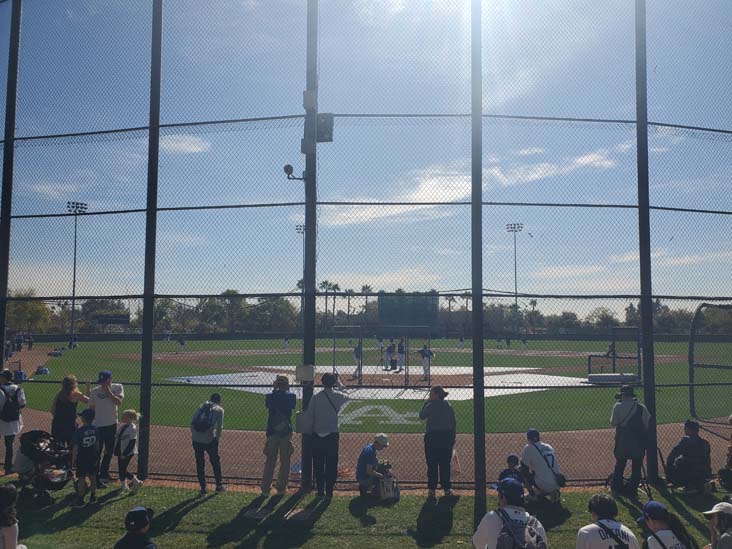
(560, 478)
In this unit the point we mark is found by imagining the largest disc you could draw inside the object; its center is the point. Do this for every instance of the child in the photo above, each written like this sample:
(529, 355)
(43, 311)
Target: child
(125, 448)
(85, 457)
(8, 518)
(512, 471)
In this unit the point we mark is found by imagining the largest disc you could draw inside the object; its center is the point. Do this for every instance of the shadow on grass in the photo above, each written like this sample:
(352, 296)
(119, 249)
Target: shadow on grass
(549, 514)
(434, 522)
(679, 504)
(73, 517)
(359, 508)
(168, 520)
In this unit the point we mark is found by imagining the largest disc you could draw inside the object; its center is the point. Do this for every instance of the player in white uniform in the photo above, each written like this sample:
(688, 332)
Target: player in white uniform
(427, 356)
(605, 532)
(667, 530)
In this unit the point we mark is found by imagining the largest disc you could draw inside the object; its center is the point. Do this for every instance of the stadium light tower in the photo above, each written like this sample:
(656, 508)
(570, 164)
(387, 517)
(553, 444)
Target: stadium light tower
(75, 208)
(515, 228)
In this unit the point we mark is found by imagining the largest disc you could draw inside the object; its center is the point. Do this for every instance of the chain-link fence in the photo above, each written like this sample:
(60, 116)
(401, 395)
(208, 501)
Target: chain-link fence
(374, 281)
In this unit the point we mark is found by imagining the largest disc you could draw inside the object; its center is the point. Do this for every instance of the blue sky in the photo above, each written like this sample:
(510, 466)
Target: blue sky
(85, 66)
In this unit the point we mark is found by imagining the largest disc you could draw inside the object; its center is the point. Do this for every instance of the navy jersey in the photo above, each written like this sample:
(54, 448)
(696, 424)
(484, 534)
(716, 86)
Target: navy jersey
(85, 439)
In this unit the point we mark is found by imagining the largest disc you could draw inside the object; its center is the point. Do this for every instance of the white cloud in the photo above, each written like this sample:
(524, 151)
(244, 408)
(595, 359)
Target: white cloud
(52, 191)
(182, 239)
(529, 151)
(183, 144)
(696, 259)
(659, 150)
(634, 257)
(375, 12)
(407, 278)
(567, 271)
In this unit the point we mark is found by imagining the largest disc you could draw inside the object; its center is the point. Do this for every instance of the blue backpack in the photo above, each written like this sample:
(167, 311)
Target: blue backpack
(203, 420)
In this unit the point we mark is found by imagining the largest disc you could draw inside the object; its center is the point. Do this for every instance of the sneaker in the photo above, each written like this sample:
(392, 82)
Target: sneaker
(448, 493)
(321, 495)
(92, 499)
(431, 493)
(202, 491)
(136, 483)
(221, 488)
(124, 488)
(101, 484)
(265, 493)
(78, 503)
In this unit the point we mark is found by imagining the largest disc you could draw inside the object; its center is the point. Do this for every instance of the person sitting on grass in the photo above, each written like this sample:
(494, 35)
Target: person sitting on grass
(689, 464)
(540, 467)
(720, 529)
(512, 471)
(667, 530)
(8, 518)
(605, 530)
(510, 525)
(137, 523)
(366, 473)
(85, 458)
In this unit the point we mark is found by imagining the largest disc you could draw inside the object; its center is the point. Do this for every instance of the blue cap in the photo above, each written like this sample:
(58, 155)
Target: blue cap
(512, 489)
(533, 434)
(104, 375)
(654, 510)
(87, 414)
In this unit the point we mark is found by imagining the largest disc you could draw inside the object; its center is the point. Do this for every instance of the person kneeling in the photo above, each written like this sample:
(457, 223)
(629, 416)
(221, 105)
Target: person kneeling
(366, 473)
(689, 464)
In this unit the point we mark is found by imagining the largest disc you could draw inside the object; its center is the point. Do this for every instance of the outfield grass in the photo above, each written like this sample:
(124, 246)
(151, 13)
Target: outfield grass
(184, 520)
(556, 409)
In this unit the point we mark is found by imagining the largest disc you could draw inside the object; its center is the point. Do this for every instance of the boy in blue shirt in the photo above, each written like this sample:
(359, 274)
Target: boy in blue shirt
(512, 471)
(85, 458)
(366, 473)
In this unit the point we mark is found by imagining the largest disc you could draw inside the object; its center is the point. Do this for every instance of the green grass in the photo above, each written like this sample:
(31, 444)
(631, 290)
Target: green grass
(184, 520)
(557, 409)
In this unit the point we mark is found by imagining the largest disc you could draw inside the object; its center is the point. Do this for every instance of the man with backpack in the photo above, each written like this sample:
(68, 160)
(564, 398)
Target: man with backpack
(605, 530)
(12, 400)
(280, 403)
(510, 526)
(631, 420)
(540, 468)
(206, 427)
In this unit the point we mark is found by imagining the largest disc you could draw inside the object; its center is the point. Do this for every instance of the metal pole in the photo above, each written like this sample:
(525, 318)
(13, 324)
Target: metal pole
(73, 287)
(309, 147)
(476, 242)
(6, 198)
(148, 302)
(515, 288)
(644, 230)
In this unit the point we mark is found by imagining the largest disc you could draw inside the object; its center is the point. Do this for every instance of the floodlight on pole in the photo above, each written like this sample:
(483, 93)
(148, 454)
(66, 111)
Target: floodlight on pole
(515, 228)
(74, 208)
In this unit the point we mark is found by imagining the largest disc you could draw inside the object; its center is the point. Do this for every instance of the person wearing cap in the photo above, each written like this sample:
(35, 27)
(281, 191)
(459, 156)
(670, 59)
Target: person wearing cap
(631, 420)
(104, 399)
(689, 464)
(720, 517)
(279, 403)
(540, 467)
(85, 457)
(12, 422)
(439, 439)
(206, 440)
(666, 529)
(366, 473)
(510, 514)
(137, 522)
(605, 531)
(512, 470)
(321, 421)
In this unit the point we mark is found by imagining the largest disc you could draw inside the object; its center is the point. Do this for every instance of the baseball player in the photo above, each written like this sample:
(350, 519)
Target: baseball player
(389, 355)
(401, 348)
(427, 356)
(357, 356)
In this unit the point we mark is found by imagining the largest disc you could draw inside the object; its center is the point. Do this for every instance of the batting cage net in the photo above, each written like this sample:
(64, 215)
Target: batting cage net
(710, 363)
(623, 354)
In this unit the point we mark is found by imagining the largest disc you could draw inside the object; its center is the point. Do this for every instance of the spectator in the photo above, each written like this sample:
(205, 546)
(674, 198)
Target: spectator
(512, 471)
(540, 467)
(366, 473)
(8, 518)
(85, 458)
(439, 439)
(631, 420)
(125, 448)
(605, 531)
(137, 523)
(207, 425)
(509, 525)
(720, 517)
(64, 406)
(104, 399)
(321, 420)
(279, 403)
(667, 530)
(12, 401)
(181, 343)
(401, 351)
(689, 463)
(8, 350)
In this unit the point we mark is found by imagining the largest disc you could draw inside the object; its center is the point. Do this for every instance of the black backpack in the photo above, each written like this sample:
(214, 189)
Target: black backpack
(518, 536)
(11, 408)
(630, 440)
(203, 420)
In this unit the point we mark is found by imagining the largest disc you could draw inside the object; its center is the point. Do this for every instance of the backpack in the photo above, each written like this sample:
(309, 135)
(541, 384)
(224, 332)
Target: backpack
(518, 536)
(203, 420)
(630, 439)
(11, 407)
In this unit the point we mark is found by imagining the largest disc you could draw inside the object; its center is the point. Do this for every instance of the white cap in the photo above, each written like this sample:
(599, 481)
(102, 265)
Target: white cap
(382, 439)
(722, 507)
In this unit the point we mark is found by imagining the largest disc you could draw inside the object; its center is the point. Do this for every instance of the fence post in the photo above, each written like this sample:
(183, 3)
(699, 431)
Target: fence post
(8, 160)
(644, 236)
(476, 72)
(148, 303)
(309, 148)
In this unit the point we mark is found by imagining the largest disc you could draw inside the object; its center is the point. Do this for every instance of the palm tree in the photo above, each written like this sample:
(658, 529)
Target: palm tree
(450, 300)
(349, 292)
(366, 289)
(334, 288)
(324, 286)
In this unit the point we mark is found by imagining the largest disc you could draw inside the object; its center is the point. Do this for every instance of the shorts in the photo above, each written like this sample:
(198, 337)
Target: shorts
(84, 468)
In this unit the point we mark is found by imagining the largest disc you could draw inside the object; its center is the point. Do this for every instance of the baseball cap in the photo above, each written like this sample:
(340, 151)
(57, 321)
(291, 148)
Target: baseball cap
(654, 510)
(440, 391)
(328, 380)
(282, 380)
(533, 434)
(692, 425)
(104, 375)
(721, 507)
(627, 390)
(511, 488)
(382, 439)
(87, 414)
(138, 517)
(7, 374)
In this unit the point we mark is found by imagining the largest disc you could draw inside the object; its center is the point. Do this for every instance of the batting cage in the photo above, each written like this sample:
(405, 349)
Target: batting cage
(623, 355)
